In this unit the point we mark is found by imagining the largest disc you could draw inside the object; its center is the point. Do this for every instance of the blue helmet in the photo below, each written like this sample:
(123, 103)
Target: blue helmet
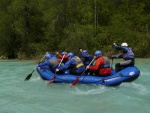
(85, 51)
(70, 54)
(63, 53)
(98, 52)
(48, 56)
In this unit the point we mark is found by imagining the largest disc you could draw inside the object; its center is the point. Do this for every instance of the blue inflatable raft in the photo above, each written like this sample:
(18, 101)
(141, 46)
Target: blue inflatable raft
(125, 75)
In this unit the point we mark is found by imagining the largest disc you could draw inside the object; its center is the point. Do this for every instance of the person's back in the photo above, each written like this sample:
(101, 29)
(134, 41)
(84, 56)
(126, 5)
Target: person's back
(79, 66)
(46, 63)
(50, 63)
(127, 54)
(104, 66)
(101, 66)
(74, 64)
(53, 63)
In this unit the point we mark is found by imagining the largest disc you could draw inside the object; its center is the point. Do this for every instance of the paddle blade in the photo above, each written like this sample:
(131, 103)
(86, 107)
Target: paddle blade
(75, 82)
(51, 81)
(28, 77)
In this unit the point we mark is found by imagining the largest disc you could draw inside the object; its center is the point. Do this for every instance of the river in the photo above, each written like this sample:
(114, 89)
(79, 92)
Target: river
(35, 96)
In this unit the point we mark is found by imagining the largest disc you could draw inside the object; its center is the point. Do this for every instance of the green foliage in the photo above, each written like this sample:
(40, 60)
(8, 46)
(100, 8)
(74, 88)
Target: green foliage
(31, 27)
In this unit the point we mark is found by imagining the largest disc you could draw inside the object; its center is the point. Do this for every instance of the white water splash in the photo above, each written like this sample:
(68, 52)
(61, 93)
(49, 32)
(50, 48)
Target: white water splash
(36, 79)
(140, 88)
(90, 90)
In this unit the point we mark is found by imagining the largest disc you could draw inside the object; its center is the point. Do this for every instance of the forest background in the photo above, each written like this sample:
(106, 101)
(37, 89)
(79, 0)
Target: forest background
(29, 28)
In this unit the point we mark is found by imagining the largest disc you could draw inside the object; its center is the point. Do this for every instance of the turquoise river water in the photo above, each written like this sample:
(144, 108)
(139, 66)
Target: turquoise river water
(35, 96)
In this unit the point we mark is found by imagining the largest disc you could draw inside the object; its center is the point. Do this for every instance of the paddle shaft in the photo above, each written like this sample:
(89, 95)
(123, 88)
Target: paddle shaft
(78, 78)
(42, 58)
(112, 63)
(61, 60)
(88, 65)
(112, 58)
(29, 76)
(52, 79)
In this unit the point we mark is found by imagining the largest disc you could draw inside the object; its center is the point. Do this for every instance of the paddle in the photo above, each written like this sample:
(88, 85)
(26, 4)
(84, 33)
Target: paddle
(112, 58)
(112, 63)
(52, 79)
(78, 78)
(29, 76)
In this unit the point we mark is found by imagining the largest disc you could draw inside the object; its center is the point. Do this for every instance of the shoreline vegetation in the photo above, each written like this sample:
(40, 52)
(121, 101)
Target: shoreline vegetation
(28, 29)
(37, 58)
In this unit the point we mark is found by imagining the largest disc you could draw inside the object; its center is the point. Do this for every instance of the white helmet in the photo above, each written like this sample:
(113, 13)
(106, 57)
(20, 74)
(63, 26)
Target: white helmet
(124, 44)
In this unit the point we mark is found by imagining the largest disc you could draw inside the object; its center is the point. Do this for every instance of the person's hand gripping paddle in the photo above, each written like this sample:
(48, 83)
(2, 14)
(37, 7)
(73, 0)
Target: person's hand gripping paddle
(78, 78)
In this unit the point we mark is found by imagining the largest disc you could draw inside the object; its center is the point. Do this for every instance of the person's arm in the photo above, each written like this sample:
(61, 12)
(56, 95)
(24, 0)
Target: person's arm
(59, 55)
(117, 47)
(67, 65)
(80, 53)
(44, 64)
(120, 48)
(86, 56)
(97, 65)
(83, 55)
(117, 56)
(65, 57)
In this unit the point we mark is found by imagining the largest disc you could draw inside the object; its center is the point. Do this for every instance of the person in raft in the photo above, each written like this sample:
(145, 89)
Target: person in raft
(126, 53)
(51, 62)
(62, 56)
(87, 58)
(101, 66)
(74, 65)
